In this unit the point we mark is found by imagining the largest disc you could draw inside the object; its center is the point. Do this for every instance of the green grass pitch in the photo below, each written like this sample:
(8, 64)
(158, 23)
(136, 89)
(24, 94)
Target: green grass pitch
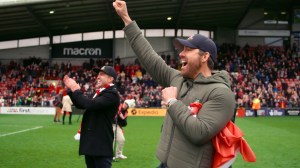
(35, 141)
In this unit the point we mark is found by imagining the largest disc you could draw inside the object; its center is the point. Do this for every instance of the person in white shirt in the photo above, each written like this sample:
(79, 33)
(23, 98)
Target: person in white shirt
(67, 108)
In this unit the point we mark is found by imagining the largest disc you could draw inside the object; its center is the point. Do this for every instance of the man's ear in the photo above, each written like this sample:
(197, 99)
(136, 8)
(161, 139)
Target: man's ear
(111, 79)
(205, 57)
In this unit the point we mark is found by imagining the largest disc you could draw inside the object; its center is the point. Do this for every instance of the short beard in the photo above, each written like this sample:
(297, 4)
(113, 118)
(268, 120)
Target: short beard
(193, 72)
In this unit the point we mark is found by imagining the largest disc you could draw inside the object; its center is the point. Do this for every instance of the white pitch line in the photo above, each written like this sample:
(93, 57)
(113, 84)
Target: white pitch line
(12, 133)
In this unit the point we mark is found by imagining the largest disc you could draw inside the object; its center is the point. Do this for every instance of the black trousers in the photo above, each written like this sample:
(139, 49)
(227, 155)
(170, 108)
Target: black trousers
(98, 162)
(255, 113)
(162, 166)
(70, 117)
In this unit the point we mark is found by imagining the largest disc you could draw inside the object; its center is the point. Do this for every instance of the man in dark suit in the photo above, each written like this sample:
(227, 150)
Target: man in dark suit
(96, 140)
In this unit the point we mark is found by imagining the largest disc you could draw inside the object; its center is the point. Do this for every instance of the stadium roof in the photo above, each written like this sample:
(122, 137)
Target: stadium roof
(33, 19)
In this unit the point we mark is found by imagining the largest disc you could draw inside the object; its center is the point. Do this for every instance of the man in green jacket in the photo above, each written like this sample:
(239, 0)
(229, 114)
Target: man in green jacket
(186, 139)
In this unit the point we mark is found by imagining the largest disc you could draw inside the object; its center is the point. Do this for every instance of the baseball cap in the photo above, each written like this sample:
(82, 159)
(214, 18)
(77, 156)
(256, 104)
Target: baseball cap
(198, 41)
(108, 70)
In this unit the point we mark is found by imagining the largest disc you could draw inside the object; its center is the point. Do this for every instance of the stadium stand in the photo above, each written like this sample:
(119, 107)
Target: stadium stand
(271, 72)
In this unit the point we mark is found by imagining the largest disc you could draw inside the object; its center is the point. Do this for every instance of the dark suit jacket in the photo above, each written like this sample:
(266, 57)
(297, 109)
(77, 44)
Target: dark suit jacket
(97, 136)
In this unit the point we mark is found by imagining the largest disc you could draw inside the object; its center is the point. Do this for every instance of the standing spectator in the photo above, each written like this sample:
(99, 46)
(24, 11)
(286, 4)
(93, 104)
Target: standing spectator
(67, 108)
(255, 105)
(96, 139)
(35, 101)
(186, 140)
(58, 105)
(121, 120)
(2, 101)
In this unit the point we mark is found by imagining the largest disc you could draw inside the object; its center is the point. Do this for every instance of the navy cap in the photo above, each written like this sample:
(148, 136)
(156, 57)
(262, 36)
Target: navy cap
(108, 70)
(198, 41)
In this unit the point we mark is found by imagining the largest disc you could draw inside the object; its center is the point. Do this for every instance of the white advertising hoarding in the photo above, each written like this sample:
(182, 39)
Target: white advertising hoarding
(27, 110)
(265, 33)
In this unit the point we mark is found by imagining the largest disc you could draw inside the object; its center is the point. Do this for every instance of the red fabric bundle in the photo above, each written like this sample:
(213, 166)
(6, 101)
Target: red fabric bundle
(228, 143)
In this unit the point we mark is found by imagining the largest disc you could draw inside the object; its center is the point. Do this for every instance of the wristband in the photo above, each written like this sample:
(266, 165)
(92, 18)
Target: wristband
(171, 101)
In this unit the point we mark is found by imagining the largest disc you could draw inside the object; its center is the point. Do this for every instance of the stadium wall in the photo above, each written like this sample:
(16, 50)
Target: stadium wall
(296, 27)
(121, 49)
(254, 20)
(162, 45)
(225, 35)
(15, 54)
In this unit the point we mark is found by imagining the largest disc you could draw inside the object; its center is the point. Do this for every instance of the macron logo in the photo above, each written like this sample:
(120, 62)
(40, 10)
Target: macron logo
(82, 51)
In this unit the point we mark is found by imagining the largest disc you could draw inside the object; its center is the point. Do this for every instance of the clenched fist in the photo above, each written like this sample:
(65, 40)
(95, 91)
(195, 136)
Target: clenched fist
(121, 9)
(169, 93)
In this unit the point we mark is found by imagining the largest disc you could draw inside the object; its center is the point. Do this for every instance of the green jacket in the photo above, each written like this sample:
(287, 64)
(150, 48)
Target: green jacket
(186, 141)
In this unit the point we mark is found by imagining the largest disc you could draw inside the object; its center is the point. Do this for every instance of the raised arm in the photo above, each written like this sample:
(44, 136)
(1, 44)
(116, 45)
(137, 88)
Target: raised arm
(121, 9)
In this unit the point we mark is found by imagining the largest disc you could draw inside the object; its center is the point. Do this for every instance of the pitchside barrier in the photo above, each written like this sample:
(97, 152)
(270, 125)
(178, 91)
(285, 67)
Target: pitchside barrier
(241, 112)
(134, 111)
(266, 111)
(27, 110)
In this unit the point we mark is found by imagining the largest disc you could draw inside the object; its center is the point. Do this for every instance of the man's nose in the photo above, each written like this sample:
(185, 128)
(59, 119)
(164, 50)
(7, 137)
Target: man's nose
(182, 54)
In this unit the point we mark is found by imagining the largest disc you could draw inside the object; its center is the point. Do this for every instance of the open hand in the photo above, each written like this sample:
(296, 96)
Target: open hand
(70, 83)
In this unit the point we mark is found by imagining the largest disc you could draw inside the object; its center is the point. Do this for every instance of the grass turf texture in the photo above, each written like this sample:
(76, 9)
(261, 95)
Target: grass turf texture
(275, 141)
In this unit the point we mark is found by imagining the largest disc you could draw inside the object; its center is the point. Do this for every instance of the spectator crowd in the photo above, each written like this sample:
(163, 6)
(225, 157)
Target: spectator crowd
(271, 74)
